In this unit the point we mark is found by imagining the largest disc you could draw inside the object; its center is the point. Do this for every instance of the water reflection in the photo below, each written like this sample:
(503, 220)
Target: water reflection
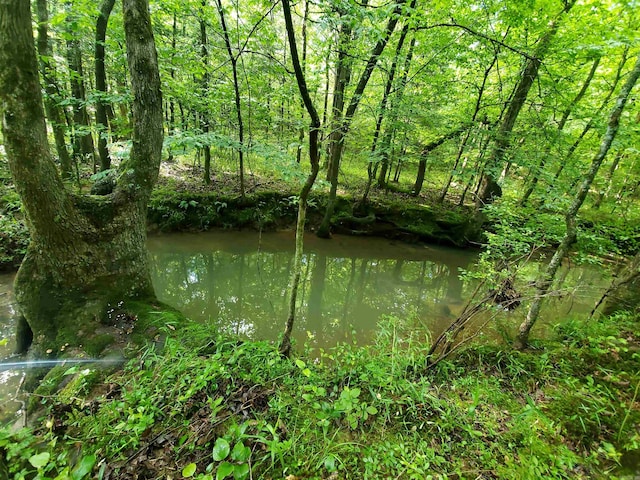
(238, 282)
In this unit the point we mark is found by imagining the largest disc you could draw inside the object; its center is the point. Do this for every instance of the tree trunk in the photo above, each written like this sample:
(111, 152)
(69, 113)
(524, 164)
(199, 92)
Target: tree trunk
(490, 187)
(372, 166)
(543, 284)
(314, 129)
(51, 89)
(101, 83)
(236, 88)
(204, 117)
(172, 104)
(343, 76)
(338, 136)
(86, 253)
(422, 166)
(463, 144)
(325, 104)
(563, 121)
(83, 140)
(391, 128)
(305, 19)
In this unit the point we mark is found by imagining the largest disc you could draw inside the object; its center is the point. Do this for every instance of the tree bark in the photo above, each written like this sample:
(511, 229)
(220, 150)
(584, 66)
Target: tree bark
(101, 83)
(543, 284)
(86, 252)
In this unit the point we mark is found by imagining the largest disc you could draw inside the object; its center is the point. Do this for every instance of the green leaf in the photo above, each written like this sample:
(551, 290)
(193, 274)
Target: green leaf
(39, 460)
(371, 410)
(240, 472)
(224, 470)
(221, 449)
(63, 475)
(189, 470)
(300, 364)
(330, 463)
(84, 467)
(240, 453)
(306, 372)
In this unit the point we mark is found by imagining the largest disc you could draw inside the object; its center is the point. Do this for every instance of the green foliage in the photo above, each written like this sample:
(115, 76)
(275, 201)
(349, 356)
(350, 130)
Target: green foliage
(230, 409)
(27, 456)
(14, 236)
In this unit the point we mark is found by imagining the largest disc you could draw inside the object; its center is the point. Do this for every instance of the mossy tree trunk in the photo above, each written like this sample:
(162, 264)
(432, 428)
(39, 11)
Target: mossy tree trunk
(86, 252)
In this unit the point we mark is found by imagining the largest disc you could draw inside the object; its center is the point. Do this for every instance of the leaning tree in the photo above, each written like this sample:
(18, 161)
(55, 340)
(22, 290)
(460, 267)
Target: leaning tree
(86, 252)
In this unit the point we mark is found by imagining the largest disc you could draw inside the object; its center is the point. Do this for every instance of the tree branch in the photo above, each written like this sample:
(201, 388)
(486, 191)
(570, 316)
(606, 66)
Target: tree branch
(475, 33)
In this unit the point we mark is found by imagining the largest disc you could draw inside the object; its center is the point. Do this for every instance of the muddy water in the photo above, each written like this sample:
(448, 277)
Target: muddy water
(237, 283)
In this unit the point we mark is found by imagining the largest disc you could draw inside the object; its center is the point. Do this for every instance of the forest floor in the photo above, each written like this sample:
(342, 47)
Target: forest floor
(206, 406)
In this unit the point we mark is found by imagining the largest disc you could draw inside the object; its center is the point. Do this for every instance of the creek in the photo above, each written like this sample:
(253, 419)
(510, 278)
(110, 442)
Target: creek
(237, 282)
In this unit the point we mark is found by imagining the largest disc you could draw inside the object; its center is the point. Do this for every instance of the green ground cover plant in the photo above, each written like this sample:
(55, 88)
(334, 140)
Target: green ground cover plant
(214, 407)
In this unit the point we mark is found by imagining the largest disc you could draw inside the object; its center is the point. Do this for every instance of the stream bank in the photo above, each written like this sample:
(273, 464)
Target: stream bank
(186, 211)
(171, 211)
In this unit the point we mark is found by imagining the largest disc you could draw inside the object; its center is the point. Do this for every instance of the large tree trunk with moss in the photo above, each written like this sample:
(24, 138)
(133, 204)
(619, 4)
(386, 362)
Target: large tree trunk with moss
(86, 252)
